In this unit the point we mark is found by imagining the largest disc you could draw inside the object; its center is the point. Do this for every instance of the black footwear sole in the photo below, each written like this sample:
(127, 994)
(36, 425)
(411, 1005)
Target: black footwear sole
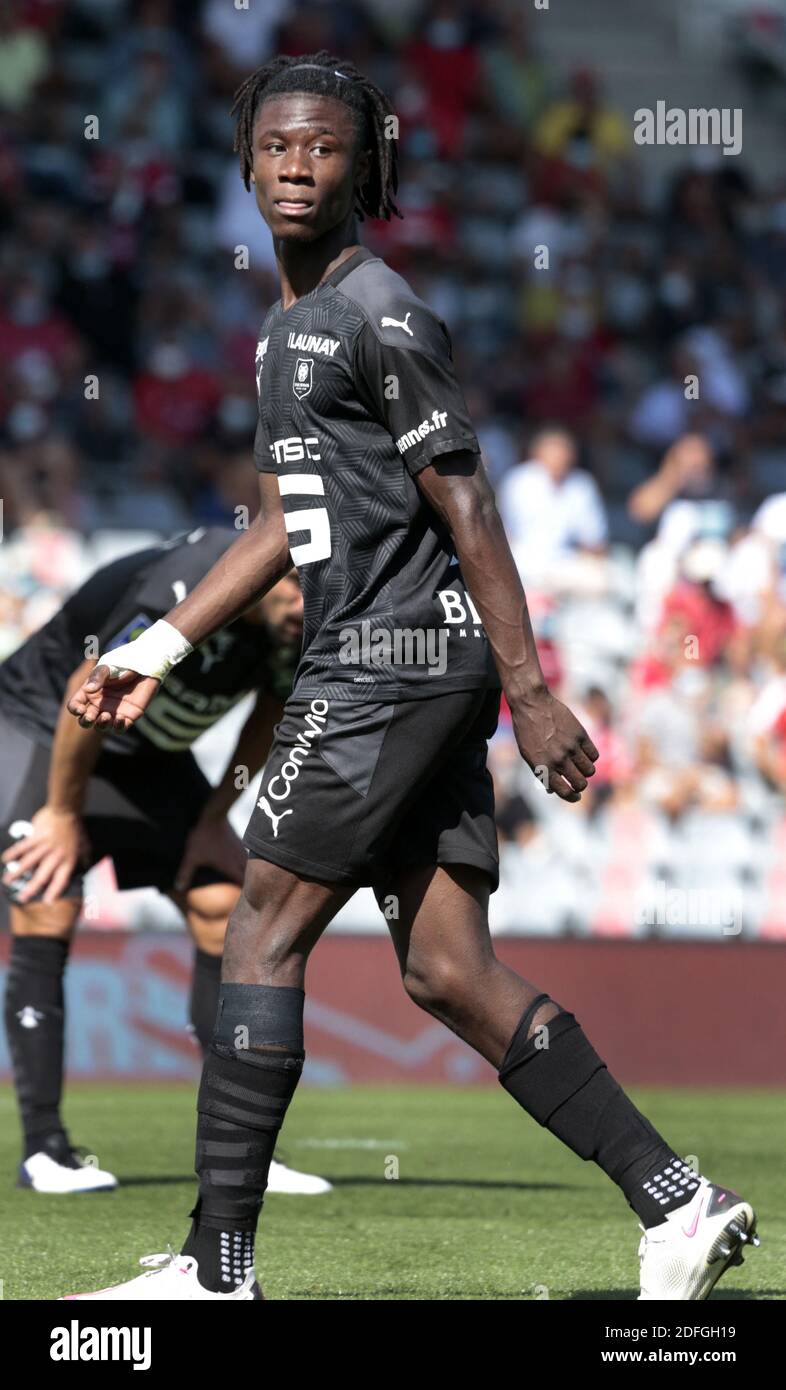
(729, 1245)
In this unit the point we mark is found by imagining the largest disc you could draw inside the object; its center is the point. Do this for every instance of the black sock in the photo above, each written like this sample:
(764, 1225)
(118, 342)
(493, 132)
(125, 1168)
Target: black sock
(223, 1258)
(203, 1004)
(250, 1074)
(34, 1023)
(560, 1080)
(662, 1188)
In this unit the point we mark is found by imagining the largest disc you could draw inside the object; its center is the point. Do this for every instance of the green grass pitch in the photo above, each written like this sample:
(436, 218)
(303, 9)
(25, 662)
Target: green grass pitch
(485, 1204)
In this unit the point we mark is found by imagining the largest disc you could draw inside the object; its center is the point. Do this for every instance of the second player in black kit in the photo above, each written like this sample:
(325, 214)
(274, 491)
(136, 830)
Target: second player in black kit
(140, 805)
(68, 801)
(372, 484)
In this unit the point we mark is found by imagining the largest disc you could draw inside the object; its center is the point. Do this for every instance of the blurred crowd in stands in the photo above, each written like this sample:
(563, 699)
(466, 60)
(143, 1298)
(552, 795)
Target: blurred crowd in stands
(621, 340)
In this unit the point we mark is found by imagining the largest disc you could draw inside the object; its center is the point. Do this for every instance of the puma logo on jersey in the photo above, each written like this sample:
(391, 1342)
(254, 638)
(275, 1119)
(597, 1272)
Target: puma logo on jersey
(215, 649)
(264, 805)
(29, 1017)
(397, 323)
(280, 786)
(311, 342)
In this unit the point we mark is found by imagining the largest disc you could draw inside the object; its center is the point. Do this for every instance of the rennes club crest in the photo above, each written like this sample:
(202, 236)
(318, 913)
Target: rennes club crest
(302, 380)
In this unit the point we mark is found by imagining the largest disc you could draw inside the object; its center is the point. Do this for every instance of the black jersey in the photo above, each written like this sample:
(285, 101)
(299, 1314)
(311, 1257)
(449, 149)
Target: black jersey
(115, 606)
(357, 394)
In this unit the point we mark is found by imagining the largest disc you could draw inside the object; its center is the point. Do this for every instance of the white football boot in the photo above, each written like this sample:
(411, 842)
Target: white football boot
(684, 1256)
(58, 1168)
(283, 1179)
(172, 1278)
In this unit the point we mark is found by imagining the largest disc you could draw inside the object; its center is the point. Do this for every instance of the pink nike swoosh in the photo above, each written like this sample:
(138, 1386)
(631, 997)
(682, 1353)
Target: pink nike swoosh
(691, 1230)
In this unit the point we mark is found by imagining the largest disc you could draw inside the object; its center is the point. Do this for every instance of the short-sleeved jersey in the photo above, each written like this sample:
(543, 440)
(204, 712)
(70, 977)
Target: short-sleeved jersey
(114, 606)
(357, 394)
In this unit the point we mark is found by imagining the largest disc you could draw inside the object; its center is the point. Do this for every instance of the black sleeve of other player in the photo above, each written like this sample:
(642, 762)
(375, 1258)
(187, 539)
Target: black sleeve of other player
(106, 600)
(413, 391)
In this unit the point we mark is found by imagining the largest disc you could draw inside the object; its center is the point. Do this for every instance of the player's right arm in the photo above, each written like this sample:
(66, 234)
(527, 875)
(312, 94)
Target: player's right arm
(124, 681)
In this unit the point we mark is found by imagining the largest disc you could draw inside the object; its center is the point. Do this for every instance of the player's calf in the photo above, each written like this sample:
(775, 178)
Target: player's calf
(560, 1080)
(249, 1077)
(34, 1019)
(35, 1028)
(476, 999)
(206, 910)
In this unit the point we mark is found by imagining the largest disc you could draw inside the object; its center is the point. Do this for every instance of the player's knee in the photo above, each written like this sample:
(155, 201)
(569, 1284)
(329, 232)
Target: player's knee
(208, 910)
(264, 885)
(46, 919)
(263, 939)
(437, 984)
(275, 922)
(208, 933)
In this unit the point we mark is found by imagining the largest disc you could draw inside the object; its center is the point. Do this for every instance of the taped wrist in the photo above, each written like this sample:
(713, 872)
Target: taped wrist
(153, 653)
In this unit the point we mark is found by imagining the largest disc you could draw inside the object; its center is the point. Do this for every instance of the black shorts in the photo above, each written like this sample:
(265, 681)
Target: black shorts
(352, 793)
(138, 811)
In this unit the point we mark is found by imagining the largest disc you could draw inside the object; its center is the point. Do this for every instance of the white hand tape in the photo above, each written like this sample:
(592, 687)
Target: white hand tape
(153, 653)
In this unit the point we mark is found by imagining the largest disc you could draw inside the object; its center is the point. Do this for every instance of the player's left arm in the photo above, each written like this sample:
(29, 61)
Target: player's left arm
(212, 840)
(549, 736)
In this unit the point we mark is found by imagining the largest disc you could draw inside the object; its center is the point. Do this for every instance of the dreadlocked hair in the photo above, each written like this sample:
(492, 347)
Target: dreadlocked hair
(326, 75)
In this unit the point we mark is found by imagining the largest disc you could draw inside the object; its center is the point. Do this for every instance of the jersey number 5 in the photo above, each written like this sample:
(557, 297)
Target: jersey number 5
(311, 519)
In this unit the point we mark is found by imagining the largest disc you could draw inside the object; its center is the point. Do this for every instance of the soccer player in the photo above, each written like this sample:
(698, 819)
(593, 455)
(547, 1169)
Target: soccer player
(372, 485)
(67, 799)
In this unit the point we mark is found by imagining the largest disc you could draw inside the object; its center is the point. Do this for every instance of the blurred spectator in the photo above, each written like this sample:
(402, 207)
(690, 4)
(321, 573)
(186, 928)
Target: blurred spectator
(145, 103)
(550, 507)
(703, 391)
(696, 624)
(175, 399)
(613, 768)
(24, 57)
(582, 138)
(514, 78)
(768, 716)
(682, 495)
(241, 39)
(28, 322)
(444, 59)
(689, 500)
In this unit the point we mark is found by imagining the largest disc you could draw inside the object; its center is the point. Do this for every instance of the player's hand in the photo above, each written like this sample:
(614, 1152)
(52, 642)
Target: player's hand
(213, 843)
(53, 852)
(108, 702)
(555, 745)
